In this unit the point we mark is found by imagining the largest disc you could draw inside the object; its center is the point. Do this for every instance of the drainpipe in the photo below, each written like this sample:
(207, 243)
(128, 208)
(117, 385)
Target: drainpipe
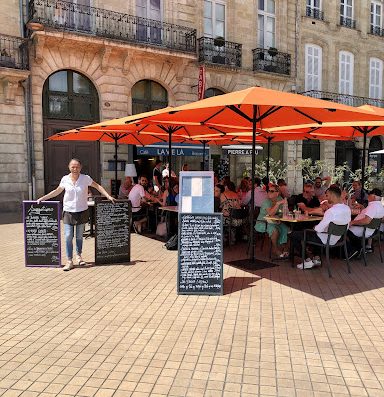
(29, 139)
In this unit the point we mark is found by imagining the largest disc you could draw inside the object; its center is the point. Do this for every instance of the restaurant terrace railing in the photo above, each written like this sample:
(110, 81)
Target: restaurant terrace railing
(271, 60)
(64, 15)
(219, 51)
(13, 52)
(347, 22)
(344, 98)
(314, 13)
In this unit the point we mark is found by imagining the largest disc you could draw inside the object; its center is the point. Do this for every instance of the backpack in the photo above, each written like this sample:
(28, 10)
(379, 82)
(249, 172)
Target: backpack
(172, 243)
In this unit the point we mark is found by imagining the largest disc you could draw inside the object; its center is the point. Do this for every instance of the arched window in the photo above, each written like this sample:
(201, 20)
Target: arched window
(213, 92)
(148, 95)
(69, 95)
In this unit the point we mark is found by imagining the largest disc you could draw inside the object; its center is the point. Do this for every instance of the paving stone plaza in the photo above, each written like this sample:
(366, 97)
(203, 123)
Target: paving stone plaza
(122, 330)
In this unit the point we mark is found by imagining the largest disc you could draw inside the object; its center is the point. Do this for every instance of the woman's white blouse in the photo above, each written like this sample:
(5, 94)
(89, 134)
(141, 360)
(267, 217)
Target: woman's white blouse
(76, 194)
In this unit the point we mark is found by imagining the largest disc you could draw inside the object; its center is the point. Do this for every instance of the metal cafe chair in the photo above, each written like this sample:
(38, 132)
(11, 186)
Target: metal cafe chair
(333, 230)
(374, 224)
(237, 219)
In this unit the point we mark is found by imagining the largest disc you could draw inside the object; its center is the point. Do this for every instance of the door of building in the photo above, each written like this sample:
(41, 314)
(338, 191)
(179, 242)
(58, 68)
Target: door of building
(70, 100)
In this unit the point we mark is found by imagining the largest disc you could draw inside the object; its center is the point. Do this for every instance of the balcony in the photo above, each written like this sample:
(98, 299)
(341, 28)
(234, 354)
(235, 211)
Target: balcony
(377, 31)
(13, 52)
(347, 22)
(271, 60)
(314, 13)
(345, 99)
(63, 15)
(219, 52)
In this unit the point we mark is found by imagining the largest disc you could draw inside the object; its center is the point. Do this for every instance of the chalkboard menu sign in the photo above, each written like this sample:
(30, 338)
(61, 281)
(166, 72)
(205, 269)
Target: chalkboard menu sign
(112, 238)
(42, 233)
(200, 266)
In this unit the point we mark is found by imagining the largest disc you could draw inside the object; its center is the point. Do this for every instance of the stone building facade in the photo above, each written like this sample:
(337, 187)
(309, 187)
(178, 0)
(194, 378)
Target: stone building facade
(104, 49)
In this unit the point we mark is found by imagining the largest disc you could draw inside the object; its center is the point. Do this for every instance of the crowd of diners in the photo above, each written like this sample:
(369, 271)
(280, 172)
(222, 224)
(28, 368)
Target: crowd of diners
(319, 198)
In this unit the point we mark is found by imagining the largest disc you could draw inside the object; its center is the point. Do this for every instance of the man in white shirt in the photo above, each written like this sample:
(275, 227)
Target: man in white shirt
(260, 194)
(339, 214)
(374, 210)
(138, 195)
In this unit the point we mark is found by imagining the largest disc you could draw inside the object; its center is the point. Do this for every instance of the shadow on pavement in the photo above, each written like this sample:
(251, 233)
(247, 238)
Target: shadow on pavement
(234, 284)
(7, 218)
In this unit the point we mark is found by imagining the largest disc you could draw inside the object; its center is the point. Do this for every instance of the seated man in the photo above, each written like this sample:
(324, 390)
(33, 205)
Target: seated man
(320, 187)
(374, 210)
(359, 194)
(339, 213)
(307, 200)
(260, 194)
(284, 191)
(138, 196)
(125, 187)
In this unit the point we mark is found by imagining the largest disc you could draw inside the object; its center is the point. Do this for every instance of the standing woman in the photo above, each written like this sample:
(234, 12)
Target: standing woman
(75, 208)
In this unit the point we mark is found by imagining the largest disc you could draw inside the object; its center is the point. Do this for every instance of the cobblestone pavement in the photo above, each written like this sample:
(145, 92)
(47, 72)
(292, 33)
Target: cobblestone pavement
(121, 330)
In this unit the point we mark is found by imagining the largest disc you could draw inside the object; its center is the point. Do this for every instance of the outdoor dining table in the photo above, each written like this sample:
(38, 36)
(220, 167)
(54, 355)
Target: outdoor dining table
(294, 222)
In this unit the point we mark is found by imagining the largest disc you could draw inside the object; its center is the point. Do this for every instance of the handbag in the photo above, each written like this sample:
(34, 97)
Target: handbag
(172, 243)
(161, 229)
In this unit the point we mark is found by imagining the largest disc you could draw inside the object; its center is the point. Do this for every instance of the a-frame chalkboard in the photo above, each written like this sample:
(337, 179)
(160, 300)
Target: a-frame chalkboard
(200, 259)
(42, 245)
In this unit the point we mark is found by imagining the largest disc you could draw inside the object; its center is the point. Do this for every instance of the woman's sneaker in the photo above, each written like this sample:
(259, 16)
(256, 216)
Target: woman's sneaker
(80, 261)
(68, 266)
(308, 264)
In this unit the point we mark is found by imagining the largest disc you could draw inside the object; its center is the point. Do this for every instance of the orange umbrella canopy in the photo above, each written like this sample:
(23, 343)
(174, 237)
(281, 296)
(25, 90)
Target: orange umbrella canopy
(268, 108)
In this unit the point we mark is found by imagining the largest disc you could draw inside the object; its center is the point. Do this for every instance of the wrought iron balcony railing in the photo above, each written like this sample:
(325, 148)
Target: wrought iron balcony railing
(271, 60)
(219, 52)
(377, 31)
(347, 22)
(13, 52)
(63, 15)
(314, 13)
(344, 98)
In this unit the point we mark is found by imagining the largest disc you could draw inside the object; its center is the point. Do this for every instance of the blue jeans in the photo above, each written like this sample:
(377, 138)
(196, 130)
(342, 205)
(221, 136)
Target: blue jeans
(68, 233)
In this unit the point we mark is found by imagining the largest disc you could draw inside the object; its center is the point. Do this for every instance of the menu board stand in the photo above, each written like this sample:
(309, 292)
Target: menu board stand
(42, 245)
(112, 231)
(200, 259)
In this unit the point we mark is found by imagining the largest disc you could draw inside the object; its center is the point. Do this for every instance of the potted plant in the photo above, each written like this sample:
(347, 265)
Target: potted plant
(272, 51)
(218, 57)
(6, 58)
(219, 41)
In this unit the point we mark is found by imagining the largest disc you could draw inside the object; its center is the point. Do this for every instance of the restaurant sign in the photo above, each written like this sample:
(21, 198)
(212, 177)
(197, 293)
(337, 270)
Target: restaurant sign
(177, 150)
(239, 150)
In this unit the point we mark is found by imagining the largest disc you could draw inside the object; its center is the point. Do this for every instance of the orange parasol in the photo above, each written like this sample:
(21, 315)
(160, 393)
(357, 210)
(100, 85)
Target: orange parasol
(261, 108)
(347, 130)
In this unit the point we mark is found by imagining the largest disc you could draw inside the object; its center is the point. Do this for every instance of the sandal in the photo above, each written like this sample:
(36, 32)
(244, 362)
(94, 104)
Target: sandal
(284, 255)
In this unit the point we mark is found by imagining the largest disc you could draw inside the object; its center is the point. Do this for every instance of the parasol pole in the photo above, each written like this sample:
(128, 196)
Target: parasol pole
(204, 143)
(169, 159)
(363, 163)
(268, 156)
(116, 146)
(252, 231)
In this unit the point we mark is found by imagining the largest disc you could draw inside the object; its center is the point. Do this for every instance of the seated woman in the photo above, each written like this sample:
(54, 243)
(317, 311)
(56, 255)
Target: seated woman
(168, 198)
(218, 191)
(230, 200)
(278, 232)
